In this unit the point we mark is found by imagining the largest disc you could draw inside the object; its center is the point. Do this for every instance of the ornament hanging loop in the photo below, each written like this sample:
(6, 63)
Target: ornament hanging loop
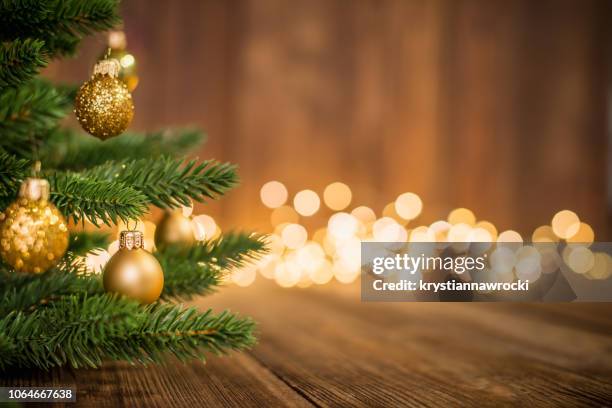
(36, 168)
(127, 225)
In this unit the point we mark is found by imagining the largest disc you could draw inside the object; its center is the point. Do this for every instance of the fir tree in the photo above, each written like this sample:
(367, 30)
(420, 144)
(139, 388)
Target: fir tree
(63, 316)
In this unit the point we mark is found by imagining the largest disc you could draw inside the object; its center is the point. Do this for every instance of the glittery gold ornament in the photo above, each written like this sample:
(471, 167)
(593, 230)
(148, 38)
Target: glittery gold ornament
(117, 49)
(132, 271)
(33, 233)
(104, 105)
(174, 228)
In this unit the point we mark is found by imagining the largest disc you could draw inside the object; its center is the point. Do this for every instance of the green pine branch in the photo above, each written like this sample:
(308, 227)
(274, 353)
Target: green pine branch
(122, 190)
(185, 278)
(83, 242)
(69, 150)
(24, 14)
(96, 200)
(61, 316)
(12, 171)
(28, 114)
(67, 331)
(26, 292)
(168, 182)
(60, 24)
(85, 331)
(20, 61)
(199, 269)
(231, 250)
(186, 333)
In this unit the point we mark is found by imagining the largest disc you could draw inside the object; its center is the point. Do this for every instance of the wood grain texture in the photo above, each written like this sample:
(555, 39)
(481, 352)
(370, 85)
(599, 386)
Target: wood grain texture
(323, 347)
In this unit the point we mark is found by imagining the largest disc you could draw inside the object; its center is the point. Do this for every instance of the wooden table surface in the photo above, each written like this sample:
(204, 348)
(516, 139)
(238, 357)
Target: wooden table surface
(321, 346)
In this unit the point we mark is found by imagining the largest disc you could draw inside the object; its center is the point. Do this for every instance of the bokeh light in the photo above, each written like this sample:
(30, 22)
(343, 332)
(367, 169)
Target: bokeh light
(462, 216)
(96, 260)
(440, 230)
(544, 234)
(286, 274)
(244, 276)
(459, 232)
(584, 235)
(342, 226)
(408, 206)
(479, 234)
(337, 196)
(422, 234)
(389, 211)
(205, 227)
(364, 214)
(510, 236)
(333, 251)
(187, 210)
(127, 60)
(565, 224)
(602, 266)
(294, 236)
(273, 194)
(489, 227)
(580, 259)
(386, 229)
(306, 202)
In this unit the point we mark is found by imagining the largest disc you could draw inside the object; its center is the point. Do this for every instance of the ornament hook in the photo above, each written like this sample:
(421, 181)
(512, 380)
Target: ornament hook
(127, 225)
(36, 168)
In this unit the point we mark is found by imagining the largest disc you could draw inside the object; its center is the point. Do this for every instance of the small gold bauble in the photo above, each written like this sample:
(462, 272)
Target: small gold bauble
(33, 233)
(128, 73)
(104, 105)
(174, 228)
(117, 49)
(132, 271)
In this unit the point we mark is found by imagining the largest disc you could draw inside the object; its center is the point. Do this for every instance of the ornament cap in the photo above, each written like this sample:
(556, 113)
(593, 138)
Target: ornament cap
(131, 240)
(108, 66)
(35, 189)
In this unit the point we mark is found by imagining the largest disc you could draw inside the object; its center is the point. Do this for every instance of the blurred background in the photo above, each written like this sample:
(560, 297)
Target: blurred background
(497, 106)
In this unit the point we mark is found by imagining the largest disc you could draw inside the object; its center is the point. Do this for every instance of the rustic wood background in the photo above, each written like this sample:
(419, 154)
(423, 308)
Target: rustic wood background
(499, 106)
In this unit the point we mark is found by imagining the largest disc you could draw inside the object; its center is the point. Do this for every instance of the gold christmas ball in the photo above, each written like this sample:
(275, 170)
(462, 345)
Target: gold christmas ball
(132, 271)
(104, 105)
(33, 233)
(117, 49)
(174, 228)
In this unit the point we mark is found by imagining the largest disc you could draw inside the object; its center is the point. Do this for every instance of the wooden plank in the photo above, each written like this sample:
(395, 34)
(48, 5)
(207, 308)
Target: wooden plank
(338, 351)
(234, 381)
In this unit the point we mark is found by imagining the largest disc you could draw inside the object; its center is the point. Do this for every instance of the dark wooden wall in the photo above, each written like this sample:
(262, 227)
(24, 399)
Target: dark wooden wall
(499, 106)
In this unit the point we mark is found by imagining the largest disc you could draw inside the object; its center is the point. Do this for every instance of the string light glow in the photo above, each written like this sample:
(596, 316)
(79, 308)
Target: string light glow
(334, 250)
(462, 216)
(294, 236)
(565, 224)
(408, 206)
(337, 196)
(306, 202)
(273, 194)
